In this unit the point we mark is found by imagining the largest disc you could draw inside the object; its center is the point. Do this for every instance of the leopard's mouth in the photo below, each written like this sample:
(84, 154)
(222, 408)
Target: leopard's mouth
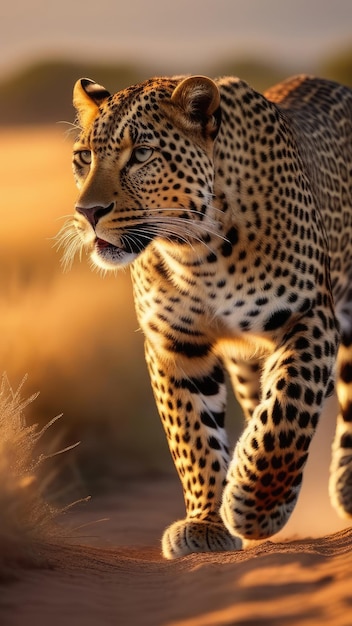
(131, 243)
(109, 256)
(102, 245)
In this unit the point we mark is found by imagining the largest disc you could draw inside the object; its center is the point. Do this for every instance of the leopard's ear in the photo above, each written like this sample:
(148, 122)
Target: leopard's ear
(199, 98)
(87, 97)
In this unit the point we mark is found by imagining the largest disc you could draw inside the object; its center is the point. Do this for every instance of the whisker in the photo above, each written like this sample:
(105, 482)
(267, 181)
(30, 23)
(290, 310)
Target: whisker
(69, 216)
(161, 230)
(69, 240)
(72, 127)
(133, 237)
(187, 228)
(181, 209)
(199, 225)
(184, 210)
(71, 124)
(164, 231)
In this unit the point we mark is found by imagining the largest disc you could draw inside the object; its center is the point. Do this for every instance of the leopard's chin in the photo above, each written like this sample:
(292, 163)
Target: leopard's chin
(107, 256)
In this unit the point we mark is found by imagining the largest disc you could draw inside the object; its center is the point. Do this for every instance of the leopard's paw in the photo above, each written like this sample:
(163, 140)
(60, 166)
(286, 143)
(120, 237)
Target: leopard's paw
(253, 519)
(187, 536)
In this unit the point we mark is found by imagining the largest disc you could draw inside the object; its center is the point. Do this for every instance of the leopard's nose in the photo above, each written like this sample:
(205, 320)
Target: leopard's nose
(95, 213)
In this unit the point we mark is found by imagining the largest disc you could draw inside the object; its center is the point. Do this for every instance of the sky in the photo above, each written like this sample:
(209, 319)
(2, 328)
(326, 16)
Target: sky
(177, 34)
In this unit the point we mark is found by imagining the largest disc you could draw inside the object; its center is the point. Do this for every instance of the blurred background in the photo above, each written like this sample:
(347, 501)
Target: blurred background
(45, 46)
(76, 334)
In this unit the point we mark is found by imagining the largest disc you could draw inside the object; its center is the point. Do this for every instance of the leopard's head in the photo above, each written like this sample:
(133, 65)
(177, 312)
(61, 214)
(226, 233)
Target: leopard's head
(143, 164)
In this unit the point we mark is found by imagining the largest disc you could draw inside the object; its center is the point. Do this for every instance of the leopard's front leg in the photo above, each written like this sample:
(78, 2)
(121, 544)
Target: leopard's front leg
(191, 403)
(265, 475)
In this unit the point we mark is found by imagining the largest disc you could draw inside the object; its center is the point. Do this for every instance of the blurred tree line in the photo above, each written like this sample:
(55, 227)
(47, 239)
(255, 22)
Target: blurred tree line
(41, 93)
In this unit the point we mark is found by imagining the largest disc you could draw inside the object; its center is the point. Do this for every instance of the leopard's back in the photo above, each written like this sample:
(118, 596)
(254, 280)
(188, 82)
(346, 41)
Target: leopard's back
(320, 112)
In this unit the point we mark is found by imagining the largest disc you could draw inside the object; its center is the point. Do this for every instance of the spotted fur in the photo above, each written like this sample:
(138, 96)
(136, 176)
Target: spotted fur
(234, 210)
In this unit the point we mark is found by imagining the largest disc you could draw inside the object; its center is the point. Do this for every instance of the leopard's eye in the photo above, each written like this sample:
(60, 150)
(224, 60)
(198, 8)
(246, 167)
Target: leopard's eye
(84, 157)
(142, 154)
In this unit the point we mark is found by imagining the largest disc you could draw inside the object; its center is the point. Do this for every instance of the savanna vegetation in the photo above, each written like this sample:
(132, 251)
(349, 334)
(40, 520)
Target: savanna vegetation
(41, 92)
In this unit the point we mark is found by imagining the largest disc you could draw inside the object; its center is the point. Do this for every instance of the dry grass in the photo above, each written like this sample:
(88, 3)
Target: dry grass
(27, 520)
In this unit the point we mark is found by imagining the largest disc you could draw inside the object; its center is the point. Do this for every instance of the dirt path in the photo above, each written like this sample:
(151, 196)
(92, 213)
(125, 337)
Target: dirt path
(118, 576)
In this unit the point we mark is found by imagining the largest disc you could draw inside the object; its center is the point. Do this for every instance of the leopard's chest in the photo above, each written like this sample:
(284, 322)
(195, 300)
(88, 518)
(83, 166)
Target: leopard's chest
(222, 298)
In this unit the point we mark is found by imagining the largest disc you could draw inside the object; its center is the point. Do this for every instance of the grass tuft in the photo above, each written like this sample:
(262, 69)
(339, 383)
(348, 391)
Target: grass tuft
(27, 520)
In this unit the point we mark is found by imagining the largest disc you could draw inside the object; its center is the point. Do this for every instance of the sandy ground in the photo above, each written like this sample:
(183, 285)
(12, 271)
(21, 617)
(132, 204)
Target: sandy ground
(113, 574)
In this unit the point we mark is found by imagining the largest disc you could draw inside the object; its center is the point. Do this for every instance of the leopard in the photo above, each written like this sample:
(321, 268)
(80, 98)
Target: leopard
(233, 211)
